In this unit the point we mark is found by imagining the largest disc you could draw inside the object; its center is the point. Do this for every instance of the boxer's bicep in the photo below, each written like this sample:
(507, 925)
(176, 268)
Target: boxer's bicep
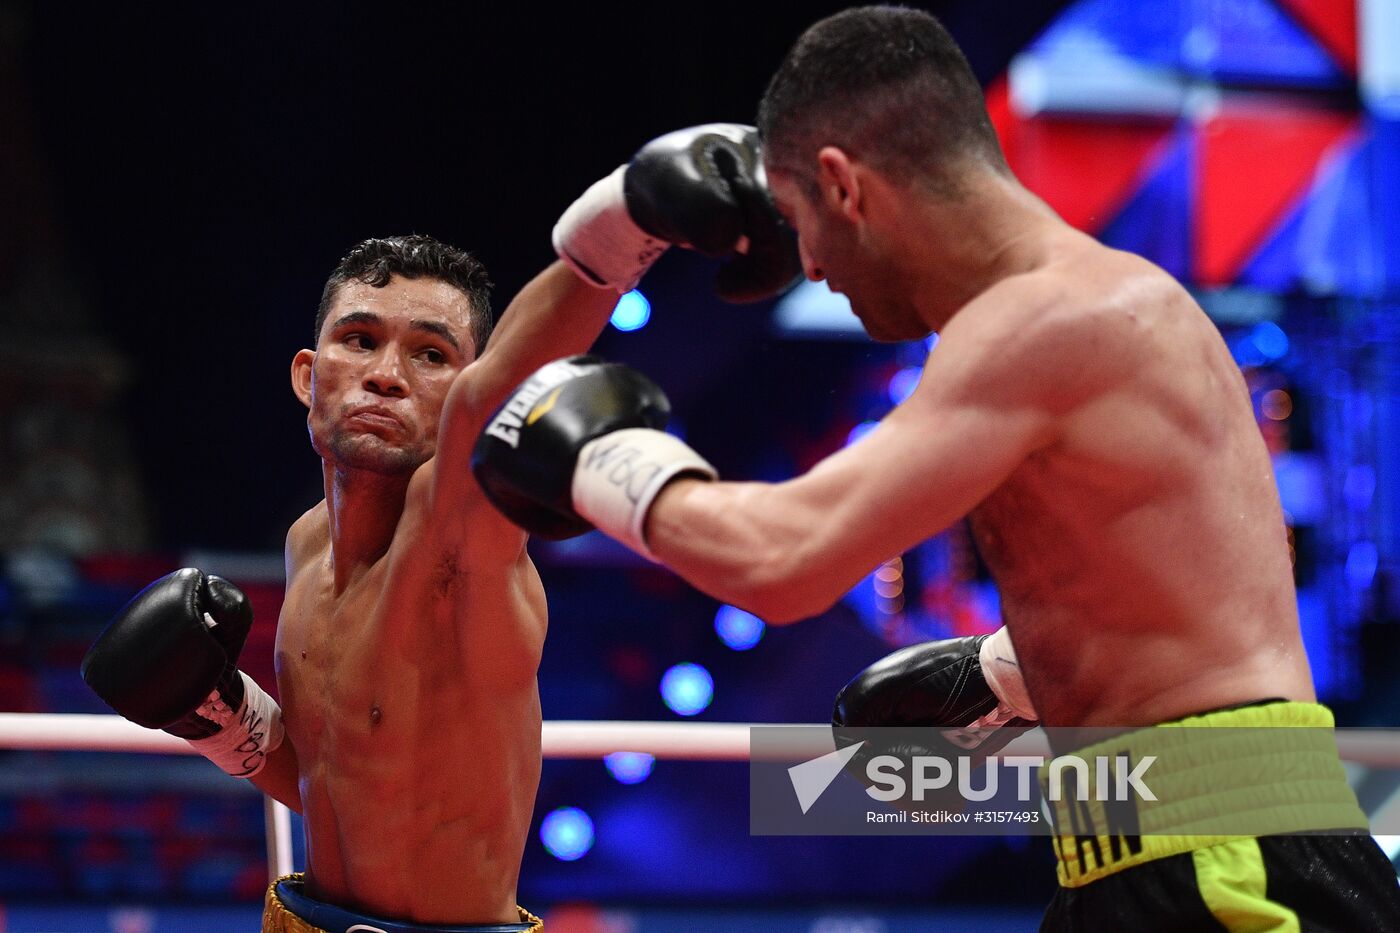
(556, 314)
(918, 472)
(982, 408)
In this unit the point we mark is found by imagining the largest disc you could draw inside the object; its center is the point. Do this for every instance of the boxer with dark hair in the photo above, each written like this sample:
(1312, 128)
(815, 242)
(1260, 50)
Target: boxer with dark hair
(1085, 414)
(408, 733)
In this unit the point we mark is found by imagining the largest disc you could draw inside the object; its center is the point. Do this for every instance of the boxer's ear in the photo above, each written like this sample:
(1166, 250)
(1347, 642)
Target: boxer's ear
(839, 183)
(301, 375)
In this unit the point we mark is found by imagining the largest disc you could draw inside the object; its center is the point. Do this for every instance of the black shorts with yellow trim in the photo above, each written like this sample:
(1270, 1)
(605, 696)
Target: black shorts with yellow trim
(1274, 883)
(1255, 828)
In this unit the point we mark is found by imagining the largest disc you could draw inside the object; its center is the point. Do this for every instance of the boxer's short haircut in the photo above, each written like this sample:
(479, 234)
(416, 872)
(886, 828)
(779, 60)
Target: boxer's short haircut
(415, 256)
(885, 84)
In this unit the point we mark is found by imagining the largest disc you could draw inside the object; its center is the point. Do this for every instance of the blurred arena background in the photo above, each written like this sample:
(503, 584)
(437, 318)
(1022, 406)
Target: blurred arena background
(178, 180)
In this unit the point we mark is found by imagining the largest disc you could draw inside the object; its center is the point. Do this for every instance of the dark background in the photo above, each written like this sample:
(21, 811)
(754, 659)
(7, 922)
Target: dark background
(201, 168)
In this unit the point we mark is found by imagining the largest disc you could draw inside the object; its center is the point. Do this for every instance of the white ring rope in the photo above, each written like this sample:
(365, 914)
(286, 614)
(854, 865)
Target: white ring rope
(698, 741)
(686, 741)
(683, 741)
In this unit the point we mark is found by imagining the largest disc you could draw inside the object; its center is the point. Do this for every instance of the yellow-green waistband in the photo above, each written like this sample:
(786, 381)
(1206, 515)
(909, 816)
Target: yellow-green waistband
(1249, 771)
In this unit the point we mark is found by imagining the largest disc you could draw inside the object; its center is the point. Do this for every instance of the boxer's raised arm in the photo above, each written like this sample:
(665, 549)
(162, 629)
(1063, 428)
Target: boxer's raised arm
(700, 186)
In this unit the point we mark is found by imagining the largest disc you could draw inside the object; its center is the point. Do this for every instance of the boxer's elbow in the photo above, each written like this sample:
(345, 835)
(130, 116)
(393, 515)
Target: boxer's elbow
(781, 612)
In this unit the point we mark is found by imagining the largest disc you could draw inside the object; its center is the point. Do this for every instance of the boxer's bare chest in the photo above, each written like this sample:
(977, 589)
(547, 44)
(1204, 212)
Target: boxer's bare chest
(321, 642)
(353, 665)
(400, 741)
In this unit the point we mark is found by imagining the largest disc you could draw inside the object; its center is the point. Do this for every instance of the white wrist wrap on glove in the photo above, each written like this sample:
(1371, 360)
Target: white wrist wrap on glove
(1003, 672)
(599, 240)
(619, 474)
(248, 736)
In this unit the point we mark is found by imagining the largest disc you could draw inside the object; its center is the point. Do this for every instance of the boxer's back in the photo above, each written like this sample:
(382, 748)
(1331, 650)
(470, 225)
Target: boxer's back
(411, 701)
(1142, 557)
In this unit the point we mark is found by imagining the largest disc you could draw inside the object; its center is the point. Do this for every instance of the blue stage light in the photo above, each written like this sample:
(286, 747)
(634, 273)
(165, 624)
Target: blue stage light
(860, 430)
(687, 689)
(630, 767)
(1246, 352)
(1270, 340)
(632, 311)
(738, 629)
(903, 383)
(1362, 560)
(567, 833)
(1360, 487)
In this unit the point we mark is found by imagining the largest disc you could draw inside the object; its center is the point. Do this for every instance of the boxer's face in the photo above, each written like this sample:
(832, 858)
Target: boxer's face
(375, 386)
(832, 251)
(814, 232)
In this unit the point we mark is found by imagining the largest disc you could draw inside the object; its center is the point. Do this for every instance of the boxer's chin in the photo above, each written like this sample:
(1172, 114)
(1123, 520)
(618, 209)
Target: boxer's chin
(373, 454)
(880, 331)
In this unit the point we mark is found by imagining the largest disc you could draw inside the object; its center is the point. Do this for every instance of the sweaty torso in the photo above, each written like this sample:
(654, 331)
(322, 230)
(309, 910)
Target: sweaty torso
(1142, 557)
(411, 702)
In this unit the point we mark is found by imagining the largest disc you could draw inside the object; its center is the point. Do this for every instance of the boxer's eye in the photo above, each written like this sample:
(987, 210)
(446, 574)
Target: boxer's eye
(358, 342)
(433, 356)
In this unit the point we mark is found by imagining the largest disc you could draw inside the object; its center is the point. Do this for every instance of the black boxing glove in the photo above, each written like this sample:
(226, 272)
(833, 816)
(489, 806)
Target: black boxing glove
(968, 690)
(579, 444)
(168, 660)
(968, 687)
(703, 187)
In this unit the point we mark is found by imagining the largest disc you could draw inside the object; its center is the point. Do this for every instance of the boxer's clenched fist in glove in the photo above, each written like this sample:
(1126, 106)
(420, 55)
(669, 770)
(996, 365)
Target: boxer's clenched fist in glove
(702, 187)
(969, 688)
(579, 445)
(952, 698)
(169, 661)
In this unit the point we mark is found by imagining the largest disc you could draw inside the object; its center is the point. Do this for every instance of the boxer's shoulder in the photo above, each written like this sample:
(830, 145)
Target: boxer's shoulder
(1034, 329)
(1096, 300)
(307, 536)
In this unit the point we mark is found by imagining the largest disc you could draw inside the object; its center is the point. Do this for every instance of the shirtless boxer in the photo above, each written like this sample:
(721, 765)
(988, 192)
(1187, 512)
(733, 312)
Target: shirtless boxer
(414, 620)
(1084, 412)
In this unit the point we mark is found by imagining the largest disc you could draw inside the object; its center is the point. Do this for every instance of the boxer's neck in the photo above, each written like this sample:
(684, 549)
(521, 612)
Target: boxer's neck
(364, 510)
(952, 250)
